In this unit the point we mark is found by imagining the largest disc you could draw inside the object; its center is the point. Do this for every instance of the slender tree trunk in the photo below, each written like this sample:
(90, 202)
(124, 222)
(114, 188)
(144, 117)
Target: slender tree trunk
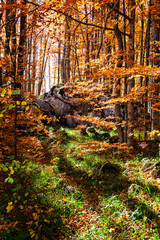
(34, 64)
(13, 53)
(21, 47)
(77, 62)
(1, 81)
(87, 59)
(130, 137)
(7, 41)
(125, 79)
(155, 32)
(49, 70)
(147, 49)
(13, 42)
(59, 60)
(42, 65)
(65, 63)
(29, 62)
(118, 113)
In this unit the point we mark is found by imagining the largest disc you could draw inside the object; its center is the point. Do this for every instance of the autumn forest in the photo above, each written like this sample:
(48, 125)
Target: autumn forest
(79, 119)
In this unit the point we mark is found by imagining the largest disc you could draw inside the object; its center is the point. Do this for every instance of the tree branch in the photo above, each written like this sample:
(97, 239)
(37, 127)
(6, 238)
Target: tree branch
(79, 21)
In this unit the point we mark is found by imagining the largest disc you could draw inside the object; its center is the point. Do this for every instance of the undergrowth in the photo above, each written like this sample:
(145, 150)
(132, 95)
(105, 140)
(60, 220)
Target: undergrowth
(80, 196)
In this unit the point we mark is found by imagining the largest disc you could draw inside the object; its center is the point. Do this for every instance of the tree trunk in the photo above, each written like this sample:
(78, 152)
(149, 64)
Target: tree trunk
(1, 81)
(21, 47)
(125, 79)
(130, 137)
(7, 41)
(147, 49)
(155, 25)
(34, 64)
(65, 63)
(42, 64)
(59, 60)
(118, 113)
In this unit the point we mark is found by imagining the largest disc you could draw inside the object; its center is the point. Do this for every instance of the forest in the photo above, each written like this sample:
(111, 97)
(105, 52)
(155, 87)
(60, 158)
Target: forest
(79, 119)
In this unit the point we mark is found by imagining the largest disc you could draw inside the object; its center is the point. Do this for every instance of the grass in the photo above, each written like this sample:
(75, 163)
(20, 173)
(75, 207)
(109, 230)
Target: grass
(70, 196)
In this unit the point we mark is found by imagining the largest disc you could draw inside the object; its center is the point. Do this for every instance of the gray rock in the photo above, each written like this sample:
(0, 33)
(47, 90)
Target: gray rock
(70, 189)
(59, 107)
(43, 105)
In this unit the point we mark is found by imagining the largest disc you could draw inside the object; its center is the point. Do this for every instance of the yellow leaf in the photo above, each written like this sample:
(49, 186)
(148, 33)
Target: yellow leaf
(24, 103)
(10, 92)
(97, 6)
(119, 220)
(12, 171)
(64, 198)
(30, 223)
(35, 216)
(9, 207)
(27, 108)
(18, 102)
(1, 115)
(45, 220)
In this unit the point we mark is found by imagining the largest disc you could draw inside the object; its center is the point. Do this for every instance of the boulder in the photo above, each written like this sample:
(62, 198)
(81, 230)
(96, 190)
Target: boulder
(43, 105)
(69, 121)
(108, 112)
(58, 105)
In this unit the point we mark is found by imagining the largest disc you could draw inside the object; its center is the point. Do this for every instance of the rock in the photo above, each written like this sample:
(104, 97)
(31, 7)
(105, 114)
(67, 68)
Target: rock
(70, 121)
(53, 122)
(55, 101)
(70, 189)
(58, 104)
(95, 114)
(134, 188)
(43, 105)
(108, 112)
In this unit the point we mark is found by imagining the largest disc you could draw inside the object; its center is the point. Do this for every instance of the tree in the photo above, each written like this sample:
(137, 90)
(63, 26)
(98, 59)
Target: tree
(104, 48)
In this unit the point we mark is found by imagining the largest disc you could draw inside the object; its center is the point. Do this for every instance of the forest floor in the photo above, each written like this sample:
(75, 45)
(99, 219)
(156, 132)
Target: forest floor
(94, 195)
